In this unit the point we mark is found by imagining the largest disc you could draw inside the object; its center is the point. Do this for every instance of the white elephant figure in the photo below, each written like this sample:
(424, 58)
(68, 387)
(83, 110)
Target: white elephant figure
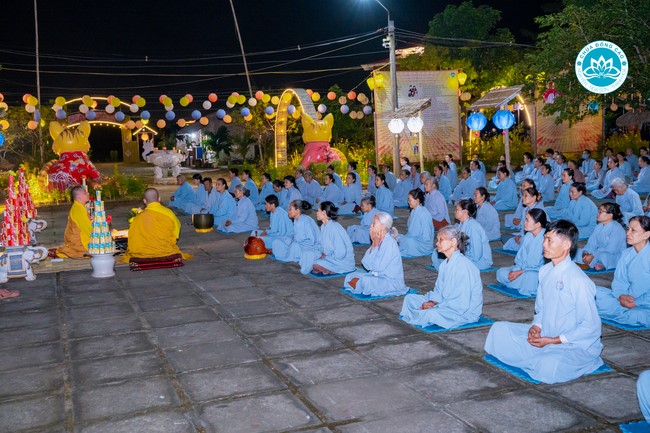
(35, 226)
(3, 268)
(32, 255)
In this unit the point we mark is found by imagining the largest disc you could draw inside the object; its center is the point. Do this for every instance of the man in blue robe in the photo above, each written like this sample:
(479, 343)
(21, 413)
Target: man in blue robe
(183, 197)
(643, 394)
(506, 196)
(563, 342)
(465, 189)
(391, 179)
(280, 226)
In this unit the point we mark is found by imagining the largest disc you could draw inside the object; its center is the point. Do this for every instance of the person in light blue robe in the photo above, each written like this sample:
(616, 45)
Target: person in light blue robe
(457, 297)
(628, 302)
(515, 221)
(531, 199)
(331, 192)
(304, 247)
(337, 179)
(224, 207)
(480, 164)
(183, 197)
(385, 276)
(527, 170)
(267, 190)
(624, 166)
(581, 211)
(465, 188)
(493, 184)
(607, 242)
(300, 178)
(402, 189)
(587, 165)
(596, 177)
(642, 184)
(293, 193)
(251, 187)
(633, 160)
(418, 240)
(643, 394)
(391, 179)
(477, 174)
(372, 173)
(311, 190)
(486, 215)
(360, 233)
(435, 203)
(280, 226)
(234, 179)
(337, 255)
(443, 183)
(199, 193)
(627, 199)
(478, 248)
(283, 195)
(452, 171)
(613, 172)
(546, 184)
(383, 196)
(506, 195)
(245, 218)
(352, 195)
(563, 342)
(209, 197)
(415, 176)
(559, 208)
(424, 175)
(523, 276)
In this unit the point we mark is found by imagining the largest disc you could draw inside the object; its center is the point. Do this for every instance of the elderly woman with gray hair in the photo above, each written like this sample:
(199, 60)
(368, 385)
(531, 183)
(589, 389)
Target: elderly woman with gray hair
(457, 297)
(245, 219)
(383, 262)
(627, 199)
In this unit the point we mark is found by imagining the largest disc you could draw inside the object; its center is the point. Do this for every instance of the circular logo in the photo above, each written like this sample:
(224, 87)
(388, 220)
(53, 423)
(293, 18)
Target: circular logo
(601, 67)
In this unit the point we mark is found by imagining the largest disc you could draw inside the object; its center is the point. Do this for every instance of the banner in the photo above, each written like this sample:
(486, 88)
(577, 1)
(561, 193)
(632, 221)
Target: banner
(584, 134)
(441, 131)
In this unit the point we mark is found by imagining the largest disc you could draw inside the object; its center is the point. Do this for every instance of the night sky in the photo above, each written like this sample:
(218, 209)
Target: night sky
(175, 47)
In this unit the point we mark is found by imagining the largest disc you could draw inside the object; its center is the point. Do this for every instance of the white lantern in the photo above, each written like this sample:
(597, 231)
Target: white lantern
(415, 124)
(396, 126)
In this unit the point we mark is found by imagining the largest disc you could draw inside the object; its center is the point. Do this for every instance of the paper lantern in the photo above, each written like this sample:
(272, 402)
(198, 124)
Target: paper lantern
(32, 100)
(476, 121)
(230, 104)
(503, 119)
(345, 109)
(145, 137)
(60, 100)
(259, 95)
(139, 124)
(204, 121)
(30, 108)
(145, 115)
(221, 113)
(212, 97)
(206, 105)
(130, 124)
(245, 111)
(60, 114)
(196, 114)
(110, 109)
(181, 123)
(119, 116)
(184, 101)
(161, 123)
(593, 106)
(141, 102)
(396, 126)
(115, 102)
(248, 118)
(269, 110)
(91, 115)
(190, 97)
(309, 92)
(343, 100)
(290, 109)
(241, 99)
(266, 98)
(331, 96)
(367, 110)
(415, 124)
(315, 96)
(322, 108)
(275, 100)
(169, 107)
(167, 101)
(227, 118)
(170, 115)
(32, 124)
(352, 95)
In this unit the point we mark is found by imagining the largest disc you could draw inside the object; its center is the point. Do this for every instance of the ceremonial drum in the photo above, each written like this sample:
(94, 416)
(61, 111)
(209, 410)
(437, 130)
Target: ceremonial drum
(203, 222)
(254, 248)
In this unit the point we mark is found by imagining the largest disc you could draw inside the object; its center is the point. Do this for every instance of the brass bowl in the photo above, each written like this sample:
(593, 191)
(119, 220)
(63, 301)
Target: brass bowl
(203, 222)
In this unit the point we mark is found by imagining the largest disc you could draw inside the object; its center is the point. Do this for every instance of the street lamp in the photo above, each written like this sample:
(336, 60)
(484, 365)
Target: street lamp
(415, 125)
(393, 79)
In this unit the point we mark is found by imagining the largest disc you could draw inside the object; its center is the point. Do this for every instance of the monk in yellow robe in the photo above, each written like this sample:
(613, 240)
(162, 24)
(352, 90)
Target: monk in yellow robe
(77, 233)
(154, 232)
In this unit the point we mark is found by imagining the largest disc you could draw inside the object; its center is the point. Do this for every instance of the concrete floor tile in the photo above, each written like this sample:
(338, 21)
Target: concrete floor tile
(223, 353)
(150, 291)
(272, 324)
(111, 345)
(31, 356)
(165, 318)
(170, 303)
(89, 313)
(124, 398)
(116, 368)
(344, 314)
(30, 320)
(407, 353)
(362, 397)
(588, 392)
(527, 411)
(426, 421)
(312, 369)
(194, 333)
(229, 382)
(472, 340)
(294, 342)
(34, 413)
(239, 295)
(24, 337)
(370, 332)
(307, 299)
(254, 308)
(521, 310)
(278, 412)
(104, 327)
(169, 422)
(30, 380)
(27, 306)
(107, 297)
(627, 351)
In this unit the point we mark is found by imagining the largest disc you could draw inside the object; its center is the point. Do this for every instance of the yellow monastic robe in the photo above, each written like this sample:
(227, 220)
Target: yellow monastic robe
(153, 234)
(77, 233)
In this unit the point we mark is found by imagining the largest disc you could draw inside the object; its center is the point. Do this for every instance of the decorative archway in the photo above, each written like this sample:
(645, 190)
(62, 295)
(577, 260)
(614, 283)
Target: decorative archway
(305, 104)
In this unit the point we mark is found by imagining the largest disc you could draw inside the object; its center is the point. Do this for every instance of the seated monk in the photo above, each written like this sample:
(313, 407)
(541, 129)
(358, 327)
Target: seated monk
(153, 235)
(77, 233)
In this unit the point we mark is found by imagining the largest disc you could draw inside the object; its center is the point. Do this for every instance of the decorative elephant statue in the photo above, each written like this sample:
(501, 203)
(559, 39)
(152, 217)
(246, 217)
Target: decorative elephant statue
(35, 226)
(32, 255)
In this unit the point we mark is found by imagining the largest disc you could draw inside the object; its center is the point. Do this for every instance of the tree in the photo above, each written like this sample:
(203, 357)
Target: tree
(23, 144)
(218, 141)
(623, 22)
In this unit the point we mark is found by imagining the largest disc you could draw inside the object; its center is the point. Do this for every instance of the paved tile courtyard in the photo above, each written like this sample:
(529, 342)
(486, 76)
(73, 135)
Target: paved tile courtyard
(225, 344)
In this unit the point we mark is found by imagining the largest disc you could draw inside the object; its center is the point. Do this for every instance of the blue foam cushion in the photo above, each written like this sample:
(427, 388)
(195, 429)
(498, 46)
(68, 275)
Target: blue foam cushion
(482, 321)
(513, 293)
(635, 427)
(506, 252)
(625, 326)
(374, 298)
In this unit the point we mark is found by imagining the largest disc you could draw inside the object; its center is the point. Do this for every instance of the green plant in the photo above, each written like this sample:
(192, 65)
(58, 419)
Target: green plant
(120, 186)
(619, 143)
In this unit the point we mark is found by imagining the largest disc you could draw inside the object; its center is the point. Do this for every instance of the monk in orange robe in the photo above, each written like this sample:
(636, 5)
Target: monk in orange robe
(77, 233)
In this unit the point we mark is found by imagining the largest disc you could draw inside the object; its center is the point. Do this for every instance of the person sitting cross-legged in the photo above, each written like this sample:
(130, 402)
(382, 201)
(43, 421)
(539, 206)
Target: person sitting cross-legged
(457, 297)
(385, 276)
(153, 234)
(280, 226)
(245, 218)
(607, 242)
(360, 233)
(628, 302)
(563, 342)
(77, 232)
(337, 255)
(418, 240)
(183, 197)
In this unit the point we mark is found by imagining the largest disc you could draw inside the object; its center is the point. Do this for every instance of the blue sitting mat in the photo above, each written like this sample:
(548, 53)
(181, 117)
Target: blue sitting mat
(592, 271)
(506, 252)
(401, 207)
(513, 293)
(492, 269)
(361, 297)
(232, 233)
(482, 321)
(516, 371)
(311, 274)
(625, 326)
(416, 257)
(358, 244)
(434, 269)
(635, 427)
(509, 228)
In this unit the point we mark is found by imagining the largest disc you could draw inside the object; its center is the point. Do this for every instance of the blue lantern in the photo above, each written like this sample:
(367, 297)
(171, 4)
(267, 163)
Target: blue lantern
(269, 110)
(593, 106)
(91, 115)
(221, 113)
(503, 119)
(60, 114)
(290, 109)
(196, 114)
(145, 115)
(2, 139)
(170, 115)
(476, 121)
(119, 116)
